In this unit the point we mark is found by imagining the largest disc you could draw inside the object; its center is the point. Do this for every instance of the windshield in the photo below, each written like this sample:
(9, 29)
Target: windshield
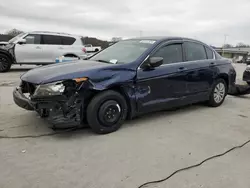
(124, 51)
(16, 38)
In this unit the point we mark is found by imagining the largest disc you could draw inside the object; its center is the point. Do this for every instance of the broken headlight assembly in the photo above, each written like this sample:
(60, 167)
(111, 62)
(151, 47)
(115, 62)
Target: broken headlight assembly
(51, 89)
(58, 88)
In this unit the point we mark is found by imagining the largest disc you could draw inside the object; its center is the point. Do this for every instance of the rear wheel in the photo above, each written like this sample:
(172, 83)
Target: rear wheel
(5, 63)
(106, 112)
(71, 56)
(96, 50)
(218, 93)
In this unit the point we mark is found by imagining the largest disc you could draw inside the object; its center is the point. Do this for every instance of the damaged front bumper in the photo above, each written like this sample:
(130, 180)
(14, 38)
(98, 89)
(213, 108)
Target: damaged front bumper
(21, 100)
(58, 110)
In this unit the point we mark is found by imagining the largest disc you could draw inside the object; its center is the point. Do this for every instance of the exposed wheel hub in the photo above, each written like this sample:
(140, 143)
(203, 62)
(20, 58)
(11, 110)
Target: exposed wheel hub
(109, 113)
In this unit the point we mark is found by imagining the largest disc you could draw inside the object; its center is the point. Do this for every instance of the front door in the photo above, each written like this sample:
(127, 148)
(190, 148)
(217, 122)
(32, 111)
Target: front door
(31, 51)
(164, 86)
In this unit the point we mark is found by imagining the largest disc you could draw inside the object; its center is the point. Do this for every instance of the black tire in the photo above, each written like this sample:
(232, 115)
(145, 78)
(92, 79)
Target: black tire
(248, 83)
(212, 98)
(99, 108)
(5, 63)
(96, 50)
(71, 56)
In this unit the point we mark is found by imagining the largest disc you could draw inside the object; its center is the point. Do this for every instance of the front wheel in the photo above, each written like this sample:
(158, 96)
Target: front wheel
(107, 112)
(218, 93)
(5, 63)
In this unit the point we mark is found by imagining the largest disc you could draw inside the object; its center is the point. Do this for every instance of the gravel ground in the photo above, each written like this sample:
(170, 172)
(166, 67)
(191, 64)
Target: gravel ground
(144, 149)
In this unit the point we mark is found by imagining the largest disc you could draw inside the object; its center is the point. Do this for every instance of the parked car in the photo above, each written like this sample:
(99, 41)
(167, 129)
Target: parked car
(127, 79)
(90, 48)
(246, 75)
(2, 43)
(247, 61)
(41, 48)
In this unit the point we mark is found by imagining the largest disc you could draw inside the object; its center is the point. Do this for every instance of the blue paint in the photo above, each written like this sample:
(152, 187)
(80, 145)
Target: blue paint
(145, 90)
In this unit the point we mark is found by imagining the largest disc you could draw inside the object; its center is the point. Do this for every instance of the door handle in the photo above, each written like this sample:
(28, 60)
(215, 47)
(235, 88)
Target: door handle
(38, 47)
(60, 48)
(181, 69)
(212, 64)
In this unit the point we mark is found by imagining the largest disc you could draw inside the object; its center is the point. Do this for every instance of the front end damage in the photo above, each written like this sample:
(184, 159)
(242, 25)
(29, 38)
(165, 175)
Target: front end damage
(61, 110)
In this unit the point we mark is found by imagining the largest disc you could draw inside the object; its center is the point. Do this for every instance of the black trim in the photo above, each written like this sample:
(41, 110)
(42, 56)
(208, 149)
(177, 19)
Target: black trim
(21, 100)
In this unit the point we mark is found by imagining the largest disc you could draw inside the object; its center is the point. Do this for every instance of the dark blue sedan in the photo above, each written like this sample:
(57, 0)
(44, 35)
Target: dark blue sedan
(129, 78)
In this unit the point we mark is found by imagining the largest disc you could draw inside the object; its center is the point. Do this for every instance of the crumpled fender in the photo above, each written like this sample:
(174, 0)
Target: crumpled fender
(122, 80)
(118, 78)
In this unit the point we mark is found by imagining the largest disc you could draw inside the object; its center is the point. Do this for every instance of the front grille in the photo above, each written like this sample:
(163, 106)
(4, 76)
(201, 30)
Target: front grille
(28, 87)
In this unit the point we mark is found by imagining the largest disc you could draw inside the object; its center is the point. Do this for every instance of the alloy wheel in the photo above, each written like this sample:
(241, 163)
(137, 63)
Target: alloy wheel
(219, 92)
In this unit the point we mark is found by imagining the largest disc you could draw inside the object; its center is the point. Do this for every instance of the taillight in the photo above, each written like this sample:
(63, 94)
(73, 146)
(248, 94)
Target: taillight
(84, 50)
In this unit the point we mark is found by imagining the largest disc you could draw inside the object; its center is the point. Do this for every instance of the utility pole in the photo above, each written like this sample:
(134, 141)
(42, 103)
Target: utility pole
(140, 33)
(225, 38)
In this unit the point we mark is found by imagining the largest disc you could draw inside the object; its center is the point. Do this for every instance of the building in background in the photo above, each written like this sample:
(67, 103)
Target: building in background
(238, 55)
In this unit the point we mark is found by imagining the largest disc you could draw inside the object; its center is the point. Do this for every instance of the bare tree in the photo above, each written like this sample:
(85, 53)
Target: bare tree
(227, 46)
(13, 32)
(242, 45)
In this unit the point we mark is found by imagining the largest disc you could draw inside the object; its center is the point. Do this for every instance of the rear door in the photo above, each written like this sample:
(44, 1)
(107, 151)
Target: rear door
(199, 75)
(51, 47)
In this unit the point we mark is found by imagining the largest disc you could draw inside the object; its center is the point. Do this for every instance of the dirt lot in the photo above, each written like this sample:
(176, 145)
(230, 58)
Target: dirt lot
(145, 149)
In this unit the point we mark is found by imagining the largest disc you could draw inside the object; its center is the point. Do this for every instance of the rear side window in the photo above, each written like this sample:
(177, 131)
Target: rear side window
(33, 39)
(210, 54)
(51, 40)
(170, 54)
(194, 51)
(68, 40)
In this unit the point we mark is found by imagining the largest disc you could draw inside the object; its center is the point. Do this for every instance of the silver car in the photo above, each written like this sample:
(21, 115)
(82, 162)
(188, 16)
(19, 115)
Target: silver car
(43, 48)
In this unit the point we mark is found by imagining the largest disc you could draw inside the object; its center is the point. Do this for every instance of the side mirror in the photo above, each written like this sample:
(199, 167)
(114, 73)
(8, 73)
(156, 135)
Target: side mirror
(22, 41)
(152, 62)
(155, 61)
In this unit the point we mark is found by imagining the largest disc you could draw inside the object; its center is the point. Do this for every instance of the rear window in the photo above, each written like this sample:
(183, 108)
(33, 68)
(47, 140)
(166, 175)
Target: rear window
(51, 40)
(68, 40)
(209, 53)
(195, 51)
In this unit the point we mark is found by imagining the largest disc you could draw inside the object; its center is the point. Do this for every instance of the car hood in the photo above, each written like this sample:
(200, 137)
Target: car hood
(63, 71)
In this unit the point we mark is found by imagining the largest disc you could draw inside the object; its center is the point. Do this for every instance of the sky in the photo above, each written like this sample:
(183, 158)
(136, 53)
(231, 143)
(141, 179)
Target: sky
(206, 20)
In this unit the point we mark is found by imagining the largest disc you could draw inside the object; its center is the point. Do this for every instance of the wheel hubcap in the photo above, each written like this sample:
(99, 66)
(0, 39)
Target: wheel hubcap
(109, 113)
(219, 92)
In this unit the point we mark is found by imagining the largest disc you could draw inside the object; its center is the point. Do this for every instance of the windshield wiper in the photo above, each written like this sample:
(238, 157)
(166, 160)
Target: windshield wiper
(103, 61)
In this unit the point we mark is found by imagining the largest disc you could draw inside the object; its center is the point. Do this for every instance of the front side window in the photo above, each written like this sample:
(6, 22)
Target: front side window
(125, 51)
(170, 54)
(52, 40)
(33, 39)
(195, 51)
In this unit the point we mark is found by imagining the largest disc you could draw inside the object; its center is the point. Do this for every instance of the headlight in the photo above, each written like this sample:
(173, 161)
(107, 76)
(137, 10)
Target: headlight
(55, 88)
(248, 68)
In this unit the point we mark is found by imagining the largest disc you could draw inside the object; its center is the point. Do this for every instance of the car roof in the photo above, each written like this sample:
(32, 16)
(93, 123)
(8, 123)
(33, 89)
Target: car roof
(53, 33)
(163, 38)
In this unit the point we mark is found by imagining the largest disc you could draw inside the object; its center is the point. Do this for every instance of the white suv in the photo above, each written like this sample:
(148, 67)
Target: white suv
(45, 47)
